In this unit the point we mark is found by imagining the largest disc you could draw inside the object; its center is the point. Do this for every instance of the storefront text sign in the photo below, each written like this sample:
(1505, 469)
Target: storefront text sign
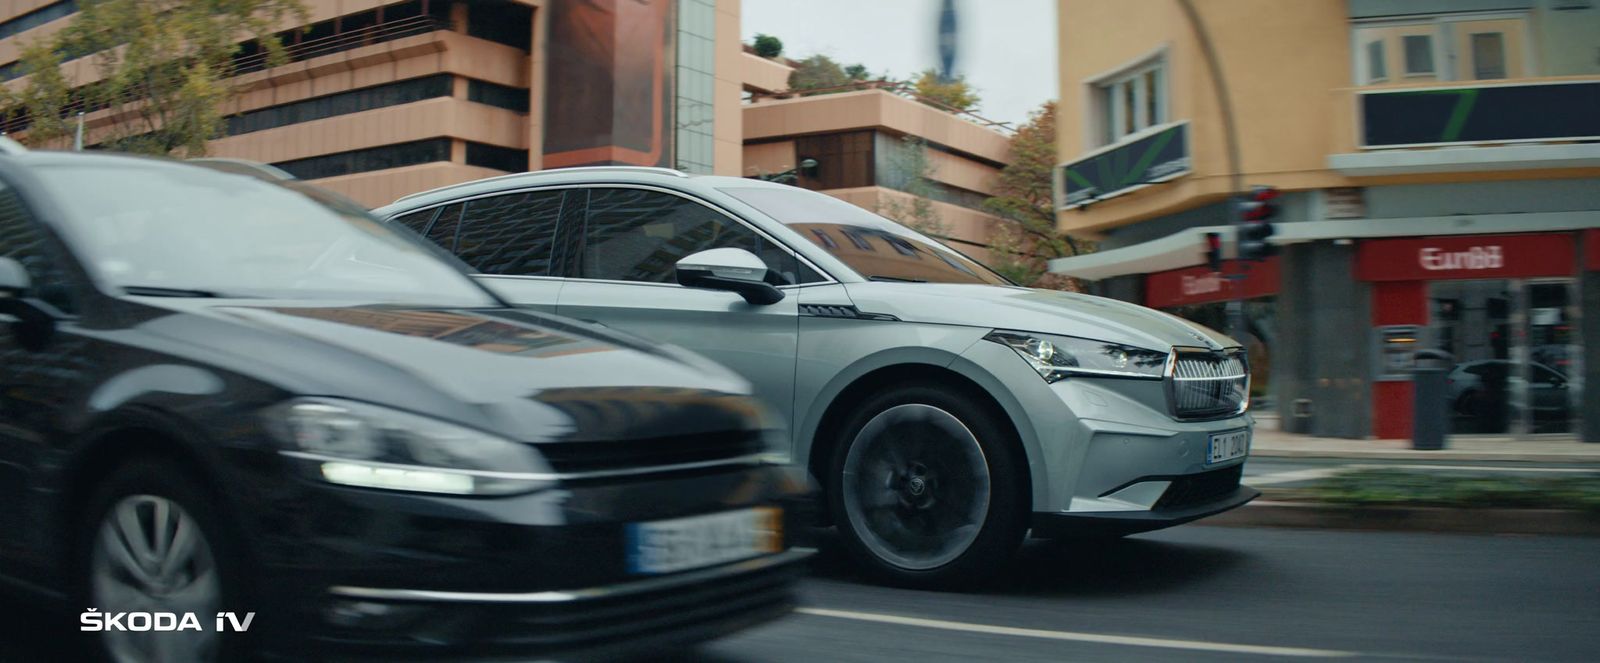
(1199, 285)
(1466, 257)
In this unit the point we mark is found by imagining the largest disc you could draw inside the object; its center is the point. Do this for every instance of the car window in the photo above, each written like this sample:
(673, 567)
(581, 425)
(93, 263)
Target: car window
(640, 235)
(1546, 375)
(510, 234)
(417, 221)
(22, 239)
(443, 231)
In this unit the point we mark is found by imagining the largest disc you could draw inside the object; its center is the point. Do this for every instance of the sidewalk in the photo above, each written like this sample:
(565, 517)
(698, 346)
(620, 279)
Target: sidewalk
(1270, 441)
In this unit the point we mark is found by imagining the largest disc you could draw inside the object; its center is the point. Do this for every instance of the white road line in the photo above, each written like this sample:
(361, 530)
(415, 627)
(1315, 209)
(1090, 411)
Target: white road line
(1485, 468)
(1292, 476)
(1125, 640)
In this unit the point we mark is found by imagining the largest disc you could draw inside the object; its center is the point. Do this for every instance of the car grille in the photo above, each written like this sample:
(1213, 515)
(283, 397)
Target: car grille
(1193, 489)
(1209, 384)
(649, 453)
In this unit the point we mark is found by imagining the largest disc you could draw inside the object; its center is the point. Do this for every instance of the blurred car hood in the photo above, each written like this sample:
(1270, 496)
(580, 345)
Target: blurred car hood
(1035, 310)
(523, 375)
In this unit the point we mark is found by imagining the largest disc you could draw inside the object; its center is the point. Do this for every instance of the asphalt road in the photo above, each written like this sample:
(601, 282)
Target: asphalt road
(1198, 593)
(1191, 593)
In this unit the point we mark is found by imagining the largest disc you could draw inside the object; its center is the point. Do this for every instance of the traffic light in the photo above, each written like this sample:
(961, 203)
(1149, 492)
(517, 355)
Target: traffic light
(1214, 251)
(1256, 211)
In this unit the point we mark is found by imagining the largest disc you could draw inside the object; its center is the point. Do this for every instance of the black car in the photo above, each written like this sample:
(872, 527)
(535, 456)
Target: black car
(223, 395)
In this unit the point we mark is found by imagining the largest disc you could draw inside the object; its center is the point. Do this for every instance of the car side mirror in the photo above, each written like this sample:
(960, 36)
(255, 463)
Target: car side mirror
(35, 321)
(730, 269)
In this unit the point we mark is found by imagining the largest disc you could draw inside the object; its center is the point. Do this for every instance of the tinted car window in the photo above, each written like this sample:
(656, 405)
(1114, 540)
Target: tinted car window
(640, 235)
(873, 246)
(443, 231)
(417, 221)
(510, 234)
(24, 241)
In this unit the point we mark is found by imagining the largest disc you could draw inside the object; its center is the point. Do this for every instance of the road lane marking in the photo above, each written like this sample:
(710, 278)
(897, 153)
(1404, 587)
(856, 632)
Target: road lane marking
(1100, 638)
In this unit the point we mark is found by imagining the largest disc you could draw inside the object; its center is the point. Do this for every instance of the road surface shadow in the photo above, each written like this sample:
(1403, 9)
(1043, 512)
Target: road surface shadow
(1069, 568)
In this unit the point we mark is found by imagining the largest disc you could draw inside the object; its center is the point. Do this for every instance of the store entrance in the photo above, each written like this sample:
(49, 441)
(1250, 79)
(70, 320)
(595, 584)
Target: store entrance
(1514, 343)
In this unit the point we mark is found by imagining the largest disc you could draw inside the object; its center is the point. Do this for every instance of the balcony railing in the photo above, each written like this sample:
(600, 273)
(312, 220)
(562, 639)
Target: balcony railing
(1475, 113)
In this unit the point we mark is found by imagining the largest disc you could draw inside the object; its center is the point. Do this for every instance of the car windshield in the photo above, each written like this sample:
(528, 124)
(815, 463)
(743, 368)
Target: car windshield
(177, 231)
(876, 248)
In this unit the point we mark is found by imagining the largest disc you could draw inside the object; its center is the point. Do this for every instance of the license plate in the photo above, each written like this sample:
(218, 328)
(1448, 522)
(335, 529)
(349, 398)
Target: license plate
(680, 544)
(1228, 446)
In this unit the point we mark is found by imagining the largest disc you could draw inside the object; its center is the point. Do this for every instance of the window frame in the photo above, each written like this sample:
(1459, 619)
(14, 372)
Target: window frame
(567, 239)
(1443, 31)
(1405, 57)
(1109, 90)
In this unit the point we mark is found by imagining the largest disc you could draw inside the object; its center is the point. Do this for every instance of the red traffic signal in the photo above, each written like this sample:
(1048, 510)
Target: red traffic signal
(1256, 210)
(1259, 204)
(1214, 251)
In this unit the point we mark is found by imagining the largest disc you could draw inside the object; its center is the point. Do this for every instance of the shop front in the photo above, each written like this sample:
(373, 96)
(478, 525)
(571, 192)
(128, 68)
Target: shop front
(1200, 295)
(1507, 310)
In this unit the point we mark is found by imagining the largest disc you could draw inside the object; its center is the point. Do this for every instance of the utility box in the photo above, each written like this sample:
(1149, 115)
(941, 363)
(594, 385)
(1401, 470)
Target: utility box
(1431, 416)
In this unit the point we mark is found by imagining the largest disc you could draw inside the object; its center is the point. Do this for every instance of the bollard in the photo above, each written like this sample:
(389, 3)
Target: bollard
(1431, 418)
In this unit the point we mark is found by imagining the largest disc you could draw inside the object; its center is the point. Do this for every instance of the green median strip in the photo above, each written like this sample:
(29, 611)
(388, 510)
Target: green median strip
(1410, 488)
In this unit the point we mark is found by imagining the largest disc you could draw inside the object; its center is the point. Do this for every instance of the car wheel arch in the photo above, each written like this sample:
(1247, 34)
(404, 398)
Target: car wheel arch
(825, 437)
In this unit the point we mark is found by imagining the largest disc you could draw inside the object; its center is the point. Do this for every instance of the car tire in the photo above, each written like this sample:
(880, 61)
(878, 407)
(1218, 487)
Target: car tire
(927, 488)
(186, 562)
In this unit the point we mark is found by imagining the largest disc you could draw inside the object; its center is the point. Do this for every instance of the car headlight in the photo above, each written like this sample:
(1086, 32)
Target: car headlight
(358, 444)
(1056, 357)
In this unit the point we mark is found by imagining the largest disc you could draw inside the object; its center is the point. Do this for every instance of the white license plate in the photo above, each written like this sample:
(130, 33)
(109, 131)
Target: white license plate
(666, 546)
(1228, 446)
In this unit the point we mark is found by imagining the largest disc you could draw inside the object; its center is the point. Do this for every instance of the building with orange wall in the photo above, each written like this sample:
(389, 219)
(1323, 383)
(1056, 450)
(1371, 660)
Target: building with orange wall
(1441, 188)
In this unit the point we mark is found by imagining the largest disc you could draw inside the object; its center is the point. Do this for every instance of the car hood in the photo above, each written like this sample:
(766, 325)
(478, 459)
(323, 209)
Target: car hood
(1035, 310)
(519, 374)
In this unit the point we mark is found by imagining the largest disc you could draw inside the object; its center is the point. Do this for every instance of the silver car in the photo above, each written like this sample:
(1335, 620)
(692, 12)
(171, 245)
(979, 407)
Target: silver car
(945, 412)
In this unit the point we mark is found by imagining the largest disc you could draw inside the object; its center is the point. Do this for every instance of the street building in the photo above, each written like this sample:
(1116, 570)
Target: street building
(384, 99)
(1440, 183)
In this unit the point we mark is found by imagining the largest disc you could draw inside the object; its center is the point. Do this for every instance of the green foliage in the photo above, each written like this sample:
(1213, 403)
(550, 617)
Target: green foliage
(908, 170)
(857, 72)
(817, 72)
(162, 67)
(1397, 487)
(955, 93)
(768, 46)
(1023, 197)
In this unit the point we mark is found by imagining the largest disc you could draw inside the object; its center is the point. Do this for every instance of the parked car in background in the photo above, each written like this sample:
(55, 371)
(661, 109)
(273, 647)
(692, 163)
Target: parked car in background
(221, 393)
(1491, 388)
(945, 411)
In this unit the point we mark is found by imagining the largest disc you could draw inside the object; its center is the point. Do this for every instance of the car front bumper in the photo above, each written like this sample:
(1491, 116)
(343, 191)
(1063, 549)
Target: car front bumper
(384, 575)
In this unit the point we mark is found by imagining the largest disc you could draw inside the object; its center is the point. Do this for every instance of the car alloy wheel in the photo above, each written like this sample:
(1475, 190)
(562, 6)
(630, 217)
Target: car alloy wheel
(151, 556)
(916, 486)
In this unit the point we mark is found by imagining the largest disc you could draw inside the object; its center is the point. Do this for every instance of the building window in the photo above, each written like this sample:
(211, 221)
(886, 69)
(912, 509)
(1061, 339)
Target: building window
(500, 96)
(1132, 102)
(695, 120)
(376, 158)
(1377, 66)
(496, 157)
(1419, 55)
(1488, 55)
(37, 18)
(343, 103)
(502, 22)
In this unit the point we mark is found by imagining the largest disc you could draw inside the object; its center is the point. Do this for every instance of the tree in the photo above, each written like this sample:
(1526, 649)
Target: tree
(162, 68)
(768, 46)
(1023, 199)
(817, 72)
(955, 93)
(857, 72)
(908, 170)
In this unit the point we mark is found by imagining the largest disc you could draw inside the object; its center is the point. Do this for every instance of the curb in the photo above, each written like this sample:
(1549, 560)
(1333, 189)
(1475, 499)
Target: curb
(1267, 513)
(1442, 454)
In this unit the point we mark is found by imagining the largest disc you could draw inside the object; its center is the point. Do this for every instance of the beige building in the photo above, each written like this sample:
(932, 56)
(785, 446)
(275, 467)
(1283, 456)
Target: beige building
(386, 98)
(1441, 188)
(858, 141)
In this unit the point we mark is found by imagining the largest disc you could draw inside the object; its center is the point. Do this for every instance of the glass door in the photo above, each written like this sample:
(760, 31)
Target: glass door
(1551, 388)
(1516, 355)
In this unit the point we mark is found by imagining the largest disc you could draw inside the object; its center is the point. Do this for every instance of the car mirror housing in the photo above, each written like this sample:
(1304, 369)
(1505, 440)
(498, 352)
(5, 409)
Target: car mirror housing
(730, 269)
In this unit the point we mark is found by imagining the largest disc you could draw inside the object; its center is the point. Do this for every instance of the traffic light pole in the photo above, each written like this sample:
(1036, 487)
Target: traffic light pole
(1235, 307)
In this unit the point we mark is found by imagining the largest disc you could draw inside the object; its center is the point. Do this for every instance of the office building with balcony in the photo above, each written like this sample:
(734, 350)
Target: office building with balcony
(1441, 177)
(859, 141)
(383, 98)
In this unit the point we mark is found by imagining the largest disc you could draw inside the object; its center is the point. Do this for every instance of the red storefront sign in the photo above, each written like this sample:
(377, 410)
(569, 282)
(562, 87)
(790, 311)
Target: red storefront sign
(1466, 257)
(1591, 249)
(1200, 285)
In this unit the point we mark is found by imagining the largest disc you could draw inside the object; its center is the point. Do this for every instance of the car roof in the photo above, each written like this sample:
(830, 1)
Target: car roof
(663, 177)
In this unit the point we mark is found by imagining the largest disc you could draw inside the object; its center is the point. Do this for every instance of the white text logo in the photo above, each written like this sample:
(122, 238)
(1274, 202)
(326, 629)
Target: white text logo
(1201, 285)
(1477, 257)
(94, 620)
